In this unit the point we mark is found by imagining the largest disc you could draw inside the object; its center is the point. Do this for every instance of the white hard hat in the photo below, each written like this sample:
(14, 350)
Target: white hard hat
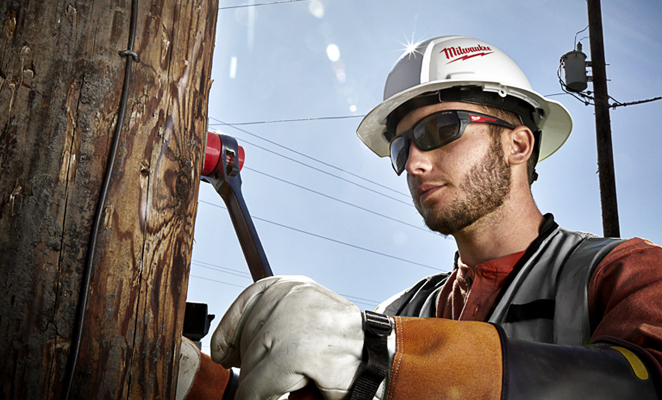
(464, 64)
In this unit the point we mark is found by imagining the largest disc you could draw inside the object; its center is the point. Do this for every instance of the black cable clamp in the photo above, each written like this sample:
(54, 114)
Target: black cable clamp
(376, 328)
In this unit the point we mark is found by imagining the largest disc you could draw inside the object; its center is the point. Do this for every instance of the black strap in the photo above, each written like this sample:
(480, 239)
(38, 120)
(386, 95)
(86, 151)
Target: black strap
(231, 387)
(376, 328)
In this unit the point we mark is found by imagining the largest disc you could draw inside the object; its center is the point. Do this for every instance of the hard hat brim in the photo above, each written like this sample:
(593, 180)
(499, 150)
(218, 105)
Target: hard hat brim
(556, 124)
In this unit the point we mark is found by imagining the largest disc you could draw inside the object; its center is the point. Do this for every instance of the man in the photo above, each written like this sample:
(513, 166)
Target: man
(530, 310)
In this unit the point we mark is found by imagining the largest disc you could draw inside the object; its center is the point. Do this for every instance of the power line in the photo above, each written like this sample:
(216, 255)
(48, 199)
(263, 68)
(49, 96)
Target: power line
(338, 200)
(286, 120)
(214, 280)
(325, 172)
(589, 100)
(629, 103)
(353, 299)
(370, 304)
(360, 300)
(221, 269)
(243, 273)
(330, 239)
(314, 159)
(259, 4)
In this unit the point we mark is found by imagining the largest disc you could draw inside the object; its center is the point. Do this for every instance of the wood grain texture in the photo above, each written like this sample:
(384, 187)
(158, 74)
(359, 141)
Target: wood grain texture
(60, 87)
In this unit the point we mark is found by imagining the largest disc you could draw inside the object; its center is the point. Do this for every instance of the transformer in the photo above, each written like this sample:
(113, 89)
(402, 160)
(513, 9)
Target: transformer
(574, 63)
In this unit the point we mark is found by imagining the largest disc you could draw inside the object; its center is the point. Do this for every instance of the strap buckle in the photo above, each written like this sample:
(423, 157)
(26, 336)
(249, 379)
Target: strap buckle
(378, 324)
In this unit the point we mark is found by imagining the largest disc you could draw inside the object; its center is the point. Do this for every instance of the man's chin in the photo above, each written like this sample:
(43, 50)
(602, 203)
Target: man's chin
(439, 225)
(449, 225)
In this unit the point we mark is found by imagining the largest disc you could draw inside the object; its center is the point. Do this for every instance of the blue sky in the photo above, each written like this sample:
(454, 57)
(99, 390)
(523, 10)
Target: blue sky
(326, 207)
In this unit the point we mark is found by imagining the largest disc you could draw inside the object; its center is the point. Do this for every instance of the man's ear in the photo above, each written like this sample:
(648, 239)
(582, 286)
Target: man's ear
(519, 144)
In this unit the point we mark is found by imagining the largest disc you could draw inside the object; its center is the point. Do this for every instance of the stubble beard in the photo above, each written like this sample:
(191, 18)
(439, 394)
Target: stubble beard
(486, 187)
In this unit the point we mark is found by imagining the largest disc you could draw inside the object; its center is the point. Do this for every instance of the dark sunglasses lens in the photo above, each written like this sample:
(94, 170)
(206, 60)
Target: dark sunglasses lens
(399, 154)
(436, 130)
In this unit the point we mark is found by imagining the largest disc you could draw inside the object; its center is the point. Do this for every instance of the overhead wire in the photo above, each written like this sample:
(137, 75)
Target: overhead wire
(354, 299)
(629, 103)
(325, 172)
(275, 121)
(330, 239)
(313, 158)
(574, 46)
(242, 274)
(338, 200)
(224, 269)
(217, 281)
(221, 269)
(360, 299)
(260, 4)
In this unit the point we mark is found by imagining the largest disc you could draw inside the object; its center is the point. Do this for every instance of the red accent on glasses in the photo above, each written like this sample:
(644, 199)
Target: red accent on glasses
(477, 118)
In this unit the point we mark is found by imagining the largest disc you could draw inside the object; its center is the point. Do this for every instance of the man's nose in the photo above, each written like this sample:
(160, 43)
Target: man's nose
(419, 161)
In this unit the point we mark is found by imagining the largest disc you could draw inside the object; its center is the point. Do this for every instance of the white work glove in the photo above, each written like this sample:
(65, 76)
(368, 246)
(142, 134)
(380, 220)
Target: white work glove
(286, 332)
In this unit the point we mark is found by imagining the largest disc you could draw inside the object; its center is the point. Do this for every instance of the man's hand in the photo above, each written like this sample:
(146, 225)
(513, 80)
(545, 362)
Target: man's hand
(285, 332)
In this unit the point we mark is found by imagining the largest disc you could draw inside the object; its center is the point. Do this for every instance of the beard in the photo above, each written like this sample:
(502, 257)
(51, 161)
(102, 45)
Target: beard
(486, 187)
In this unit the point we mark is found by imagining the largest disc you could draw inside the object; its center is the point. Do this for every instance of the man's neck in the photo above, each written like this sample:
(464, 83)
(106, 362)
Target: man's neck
(509, 229)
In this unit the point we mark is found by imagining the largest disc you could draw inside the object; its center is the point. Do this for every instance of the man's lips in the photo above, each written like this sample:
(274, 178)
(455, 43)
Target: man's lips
(427, 189)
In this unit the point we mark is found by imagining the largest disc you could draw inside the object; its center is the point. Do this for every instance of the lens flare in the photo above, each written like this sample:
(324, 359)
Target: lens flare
(333, 52)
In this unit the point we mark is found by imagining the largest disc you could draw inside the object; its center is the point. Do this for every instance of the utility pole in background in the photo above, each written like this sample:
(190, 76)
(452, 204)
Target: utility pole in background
(61, 84)
(602, 123)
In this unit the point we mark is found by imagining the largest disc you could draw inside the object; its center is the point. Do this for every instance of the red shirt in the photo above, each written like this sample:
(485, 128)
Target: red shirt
(624, 294)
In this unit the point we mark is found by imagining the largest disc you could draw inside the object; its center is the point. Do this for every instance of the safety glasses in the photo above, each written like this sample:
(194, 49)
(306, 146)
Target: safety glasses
(436, 130)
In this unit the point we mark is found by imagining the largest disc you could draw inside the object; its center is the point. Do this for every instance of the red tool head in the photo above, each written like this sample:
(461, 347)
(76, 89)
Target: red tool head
(213, 155)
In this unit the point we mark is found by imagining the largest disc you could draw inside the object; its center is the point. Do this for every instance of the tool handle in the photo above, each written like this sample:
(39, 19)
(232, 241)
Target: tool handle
(225, 178)
(243, 226)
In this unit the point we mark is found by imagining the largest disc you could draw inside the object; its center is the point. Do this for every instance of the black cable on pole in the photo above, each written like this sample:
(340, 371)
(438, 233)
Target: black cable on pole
(77, 334)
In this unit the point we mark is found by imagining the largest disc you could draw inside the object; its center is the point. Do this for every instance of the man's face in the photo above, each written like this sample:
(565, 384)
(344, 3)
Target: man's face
(460, 183)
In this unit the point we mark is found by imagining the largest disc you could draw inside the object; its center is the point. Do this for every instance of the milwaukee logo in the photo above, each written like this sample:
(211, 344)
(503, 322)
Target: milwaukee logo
(477, 118)
(463, 53)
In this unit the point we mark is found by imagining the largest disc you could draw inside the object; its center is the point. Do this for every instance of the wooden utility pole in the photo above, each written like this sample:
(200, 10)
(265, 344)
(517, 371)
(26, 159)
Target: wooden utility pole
(60, 85)
(610, 224)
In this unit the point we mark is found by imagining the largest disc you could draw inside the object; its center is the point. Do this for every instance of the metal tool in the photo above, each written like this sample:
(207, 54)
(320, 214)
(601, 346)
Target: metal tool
(224, 159)
(223, 162)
